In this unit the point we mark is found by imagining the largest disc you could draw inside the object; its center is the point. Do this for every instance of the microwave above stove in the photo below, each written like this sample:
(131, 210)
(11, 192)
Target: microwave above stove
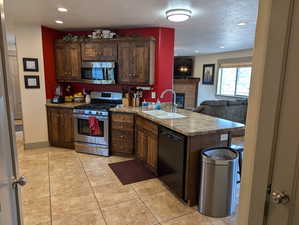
(99, 72)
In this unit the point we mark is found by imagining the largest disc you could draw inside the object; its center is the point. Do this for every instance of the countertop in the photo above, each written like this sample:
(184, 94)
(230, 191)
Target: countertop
(70, 105)
(191, 125)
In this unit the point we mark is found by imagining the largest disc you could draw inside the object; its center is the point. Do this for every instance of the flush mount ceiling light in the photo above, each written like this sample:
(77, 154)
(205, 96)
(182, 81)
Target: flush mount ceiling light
(60, 9)
(221, 46)
(178, 15)
(242, 23)
(59, 21)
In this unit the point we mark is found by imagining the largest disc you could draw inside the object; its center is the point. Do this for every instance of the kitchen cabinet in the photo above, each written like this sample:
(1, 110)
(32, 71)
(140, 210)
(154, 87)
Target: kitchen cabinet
(146, 142)
(68, 61)
(136, 61)
(99, 51)
(122, 133)
(60, 127)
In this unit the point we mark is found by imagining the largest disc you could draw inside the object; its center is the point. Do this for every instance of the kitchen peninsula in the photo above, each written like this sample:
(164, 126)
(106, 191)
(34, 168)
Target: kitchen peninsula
(198, 131)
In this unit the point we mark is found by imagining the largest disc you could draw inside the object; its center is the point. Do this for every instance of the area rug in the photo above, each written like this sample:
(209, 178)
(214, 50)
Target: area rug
(131, 171)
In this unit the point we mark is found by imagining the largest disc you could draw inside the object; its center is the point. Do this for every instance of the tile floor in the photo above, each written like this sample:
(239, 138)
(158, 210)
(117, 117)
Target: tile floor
(67, 188)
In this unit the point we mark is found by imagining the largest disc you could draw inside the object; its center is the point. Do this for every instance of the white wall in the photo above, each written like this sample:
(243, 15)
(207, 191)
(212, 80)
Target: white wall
(29, 44)
(208, 92)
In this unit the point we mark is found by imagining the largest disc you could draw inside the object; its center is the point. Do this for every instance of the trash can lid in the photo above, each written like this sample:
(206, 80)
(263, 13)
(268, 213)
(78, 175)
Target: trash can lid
(219, 156)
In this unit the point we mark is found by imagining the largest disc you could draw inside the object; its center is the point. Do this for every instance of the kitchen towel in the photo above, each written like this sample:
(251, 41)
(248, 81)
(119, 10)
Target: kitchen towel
(94, 126)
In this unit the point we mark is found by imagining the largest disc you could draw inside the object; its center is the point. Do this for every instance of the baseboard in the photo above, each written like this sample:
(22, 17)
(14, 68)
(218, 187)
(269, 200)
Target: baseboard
(37, 145)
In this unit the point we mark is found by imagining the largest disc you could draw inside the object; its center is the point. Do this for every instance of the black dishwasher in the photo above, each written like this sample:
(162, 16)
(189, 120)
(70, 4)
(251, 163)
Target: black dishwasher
(171, 160)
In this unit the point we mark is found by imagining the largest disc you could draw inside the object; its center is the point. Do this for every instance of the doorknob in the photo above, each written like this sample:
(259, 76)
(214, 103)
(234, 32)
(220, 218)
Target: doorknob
(280, 198)
(20, 181)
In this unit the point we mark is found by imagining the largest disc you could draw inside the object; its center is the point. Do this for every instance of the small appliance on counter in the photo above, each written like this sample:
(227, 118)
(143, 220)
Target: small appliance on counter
(58, 98)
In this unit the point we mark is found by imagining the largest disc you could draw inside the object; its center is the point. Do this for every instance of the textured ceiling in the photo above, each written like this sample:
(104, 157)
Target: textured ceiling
(213, 23)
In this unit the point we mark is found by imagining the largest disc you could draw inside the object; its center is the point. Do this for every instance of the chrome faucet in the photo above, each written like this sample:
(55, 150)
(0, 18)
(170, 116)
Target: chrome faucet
(173, 98)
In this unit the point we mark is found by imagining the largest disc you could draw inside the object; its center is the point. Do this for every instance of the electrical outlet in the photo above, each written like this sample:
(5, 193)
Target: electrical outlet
(223, 137)
(153, 94)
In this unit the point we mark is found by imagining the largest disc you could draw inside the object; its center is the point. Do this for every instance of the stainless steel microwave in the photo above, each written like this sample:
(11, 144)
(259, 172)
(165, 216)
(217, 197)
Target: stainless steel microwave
(99, 72)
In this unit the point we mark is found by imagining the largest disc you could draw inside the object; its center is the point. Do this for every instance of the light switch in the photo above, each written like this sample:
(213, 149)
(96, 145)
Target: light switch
(223, 137)
(153, 94)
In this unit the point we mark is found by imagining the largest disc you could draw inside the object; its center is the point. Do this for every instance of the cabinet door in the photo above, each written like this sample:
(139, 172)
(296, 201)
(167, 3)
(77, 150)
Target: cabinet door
(107, 51)
(60, 58)
(152, 150)
(141, 144)
(89, 51)
(122, 142)
(74, 61)
(140, 63)
(124, 62)
(67, 127)
(54, 129)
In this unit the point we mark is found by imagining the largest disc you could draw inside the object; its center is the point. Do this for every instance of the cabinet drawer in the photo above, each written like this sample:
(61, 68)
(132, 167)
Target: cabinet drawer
(147, 125)
(122, 117)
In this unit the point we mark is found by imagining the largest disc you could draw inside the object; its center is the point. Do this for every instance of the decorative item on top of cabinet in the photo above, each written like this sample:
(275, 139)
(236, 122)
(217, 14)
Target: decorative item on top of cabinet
(146, 142)
(60, 127)
(68, 60)
(122, 133)
(101, 50)
(136, 61)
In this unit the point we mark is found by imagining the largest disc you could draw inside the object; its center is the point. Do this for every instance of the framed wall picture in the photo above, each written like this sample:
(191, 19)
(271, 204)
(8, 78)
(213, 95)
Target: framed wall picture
(208, 74)
(31, 81)
(30, 64)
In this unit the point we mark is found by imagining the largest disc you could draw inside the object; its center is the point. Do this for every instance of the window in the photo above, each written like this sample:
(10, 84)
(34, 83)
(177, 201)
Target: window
(234, 80)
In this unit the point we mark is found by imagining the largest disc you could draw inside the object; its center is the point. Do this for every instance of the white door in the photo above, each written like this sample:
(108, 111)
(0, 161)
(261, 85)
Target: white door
(283, 207)
(9, 197)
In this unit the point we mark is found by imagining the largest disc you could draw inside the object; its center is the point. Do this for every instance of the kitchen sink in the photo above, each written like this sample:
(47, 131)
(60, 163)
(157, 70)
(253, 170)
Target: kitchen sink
(161, 114)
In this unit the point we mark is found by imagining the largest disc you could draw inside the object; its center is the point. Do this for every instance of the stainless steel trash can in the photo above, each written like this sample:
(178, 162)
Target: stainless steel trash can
(217, 196)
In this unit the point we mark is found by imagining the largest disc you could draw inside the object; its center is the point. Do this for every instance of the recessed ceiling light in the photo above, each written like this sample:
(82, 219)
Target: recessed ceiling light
(59, 21)
(178, 15)
(196, 51)
(60, 9)
(221, 46)
(242, 23)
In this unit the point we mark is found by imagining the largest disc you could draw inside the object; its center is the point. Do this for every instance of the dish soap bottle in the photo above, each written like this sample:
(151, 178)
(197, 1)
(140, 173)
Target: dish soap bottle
(158, 105)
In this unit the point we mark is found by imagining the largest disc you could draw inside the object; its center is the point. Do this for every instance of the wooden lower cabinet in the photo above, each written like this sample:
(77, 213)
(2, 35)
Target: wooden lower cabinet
(122, 133)
(60, 127)
(146, 142)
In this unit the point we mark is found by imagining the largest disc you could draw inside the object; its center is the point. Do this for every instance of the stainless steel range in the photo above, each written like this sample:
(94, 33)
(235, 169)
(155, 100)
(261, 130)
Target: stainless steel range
(85, 140)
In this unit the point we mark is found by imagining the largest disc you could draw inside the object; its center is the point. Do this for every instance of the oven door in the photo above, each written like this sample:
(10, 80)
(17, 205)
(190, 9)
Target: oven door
(82, 131)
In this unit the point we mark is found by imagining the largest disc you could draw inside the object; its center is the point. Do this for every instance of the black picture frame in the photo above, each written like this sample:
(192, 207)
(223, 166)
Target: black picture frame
(31, 81)
(30, 64)
(208, 74)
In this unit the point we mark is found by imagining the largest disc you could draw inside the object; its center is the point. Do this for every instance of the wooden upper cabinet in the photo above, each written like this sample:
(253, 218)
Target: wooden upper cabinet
(136, 62)
(68, 61)
(99, 51)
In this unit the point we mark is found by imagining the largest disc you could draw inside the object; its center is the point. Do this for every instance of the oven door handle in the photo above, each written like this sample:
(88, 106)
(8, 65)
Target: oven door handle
(85, 117)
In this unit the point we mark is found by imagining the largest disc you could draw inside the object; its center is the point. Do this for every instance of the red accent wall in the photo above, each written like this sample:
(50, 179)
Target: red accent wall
(48, 37)
(163, 67)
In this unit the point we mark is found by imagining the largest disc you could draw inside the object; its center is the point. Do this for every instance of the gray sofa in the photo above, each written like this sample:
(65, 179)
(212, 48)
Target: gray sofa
(234, 110)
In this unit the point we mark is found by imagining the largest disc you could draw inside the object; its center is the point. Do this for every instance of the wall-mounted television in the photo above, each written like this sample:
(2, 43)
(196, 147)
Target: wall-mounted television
(183, 66)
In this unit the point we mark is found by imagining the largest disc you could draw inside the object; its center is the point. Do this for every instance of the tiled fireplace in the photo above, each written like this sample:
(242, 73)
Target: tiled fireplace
(187, 91)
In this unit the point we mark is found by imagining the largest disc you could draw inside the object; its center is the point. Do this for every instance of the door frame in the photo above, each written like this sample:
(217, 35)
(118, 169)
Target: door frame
(9, 110)
(269, 65)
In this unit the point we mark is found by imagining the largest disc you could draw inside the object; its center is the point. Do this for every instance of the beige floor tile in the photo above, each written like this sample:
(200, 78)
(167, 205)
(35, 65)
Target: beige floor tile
(190, 219)
(101, 177)
(165, 206)
(76, 202)
(113, 193)
(87, 218)
(94, 163)
(132, 212)
(66, 184)
(37, 212)
(62, 154)
(148, 187)
(36, 188)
